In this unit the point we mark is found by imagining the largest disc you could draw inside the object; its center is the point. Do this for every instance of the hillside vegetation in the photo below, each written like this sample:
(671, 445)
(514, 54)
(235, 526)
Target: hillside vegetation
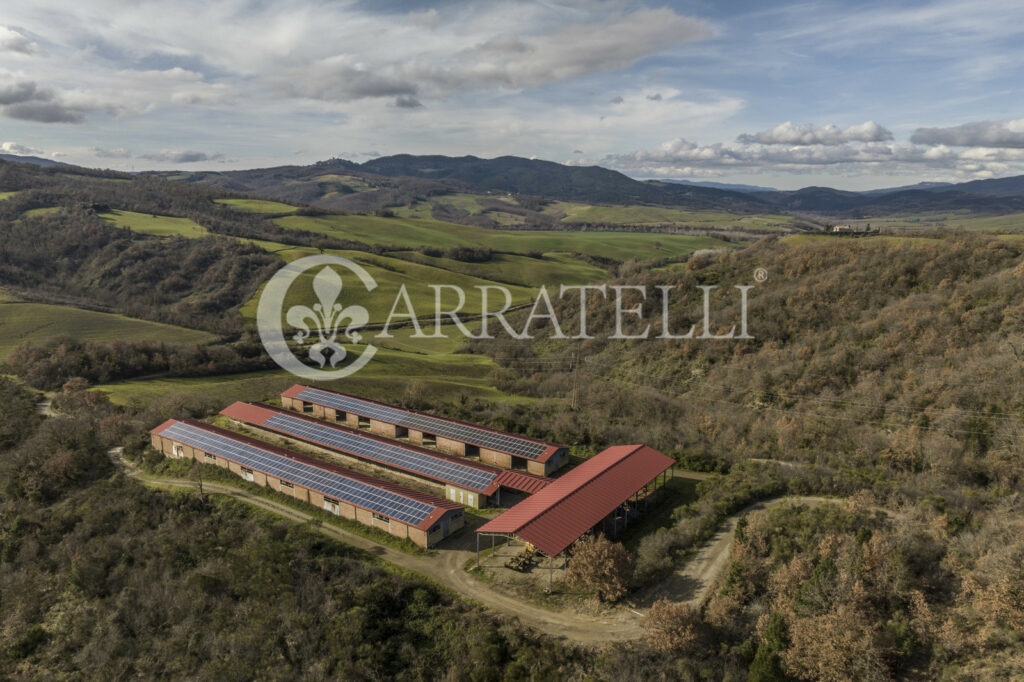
(885, 369)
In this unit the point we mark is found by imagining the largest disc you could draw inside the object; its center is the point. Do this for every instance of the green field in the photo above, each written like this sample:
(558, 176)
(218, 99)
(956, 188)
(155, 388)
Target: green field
(553, 269)
(38, 322)
(411, 233)
(660, 215)
(442, 376)
(6, 195)
(37, 212)
(389, 274)
(163, 226)
(257, 205)
(353, 182)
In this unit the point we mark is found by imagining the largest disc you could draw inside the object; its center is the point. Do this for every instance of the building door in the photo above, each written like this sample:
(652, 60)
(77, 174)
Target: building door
(444, 527)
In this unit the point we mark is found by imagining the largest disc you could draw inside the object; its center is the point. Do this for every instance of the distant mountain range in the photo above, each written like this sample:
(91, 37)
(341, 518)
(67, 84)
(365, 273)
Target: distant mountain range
(721, 185)
(405, 179)
(35, 160)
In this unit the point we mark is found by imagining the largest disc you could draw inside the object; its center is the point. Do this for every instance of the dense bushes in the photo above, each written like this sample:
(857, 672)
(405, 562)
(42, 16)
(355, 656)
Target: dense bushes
(50, 365)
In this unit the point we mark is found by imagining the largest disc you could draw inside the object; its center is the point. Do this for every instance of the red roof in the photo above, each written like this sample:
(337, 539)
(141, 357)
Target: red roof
(552, 448)
(522, 481)
(257, 414)
(441, 506)
(569, 506)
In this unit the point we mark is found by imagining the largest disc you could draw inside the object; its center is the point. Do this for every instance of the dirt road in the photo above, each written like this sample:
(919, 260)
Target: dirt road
(689, 584)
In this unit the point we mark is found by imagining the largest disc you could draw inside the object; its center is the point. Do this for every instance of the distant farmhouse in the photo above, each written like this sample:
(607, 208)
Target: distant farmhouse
(854, 230)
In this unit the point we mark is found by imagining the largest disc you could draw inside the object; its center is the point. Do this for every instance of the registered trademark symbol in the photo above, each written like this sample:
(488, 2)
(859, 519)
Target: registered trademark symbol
(760, 275)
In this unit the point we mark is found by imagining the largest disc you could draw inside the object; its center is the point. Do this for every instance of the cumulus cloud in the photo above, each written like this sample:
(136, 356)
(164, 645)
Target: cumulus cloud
(616, 100)
(1009, 134)
(407, 102)
(557, 52)
(656, 97)
(44, 112)
(26, 101)
(22, 91)
(19, 149)
(119, 153)
(174, 156)
(806, 134)
(682, 157)
(13, 41)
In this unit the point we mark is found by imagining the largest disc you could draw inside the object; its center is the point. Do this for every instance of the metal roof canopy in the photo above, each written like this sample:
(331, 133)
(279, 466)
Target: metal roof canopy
(557, 516)
(440, 467)
(480, 436)
(402, 504)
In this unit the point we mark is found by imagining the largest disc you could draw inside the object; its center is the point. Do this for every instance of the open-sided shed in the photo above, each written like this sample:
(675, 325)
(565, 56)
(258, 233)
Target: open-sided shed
(603, 491)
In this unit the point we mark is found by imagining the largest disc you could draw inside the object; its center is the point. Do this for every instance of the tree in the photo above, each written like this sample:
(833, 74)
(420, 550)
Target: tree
(601, 565)
(671, 627)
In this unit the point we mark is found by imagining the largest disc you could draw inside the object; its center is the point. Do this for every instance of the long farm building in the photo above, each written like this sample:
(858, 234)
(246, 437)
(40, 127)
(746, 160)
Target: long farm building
(504, 450)
(423, 519)
(457, 478)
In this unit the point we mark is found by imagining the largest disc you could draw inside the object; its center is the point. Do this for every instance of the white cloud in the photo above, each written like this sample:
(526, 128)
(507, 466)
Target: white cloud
(1009, 134)
(181, 156)
(19, 149)
(806, 134)
(12, 41)
(681, 157)
(119, 153)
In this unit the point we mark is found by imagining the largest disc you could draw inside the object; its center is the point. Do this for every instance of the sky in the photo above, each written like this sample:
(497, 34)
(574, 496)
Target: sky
(853, 95)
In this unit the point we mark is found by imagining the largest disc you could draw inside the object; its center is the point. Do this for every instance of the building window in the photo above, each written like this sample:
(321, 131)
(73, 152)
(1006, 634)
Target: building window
(207, 455)
(178, 451)
(247, 474)
(340, 416)
(286, 484)
(429, 439)
(451, 494)
(433, 530)
(364, 422)
(307, 408)
(332, 506)
(379, 517)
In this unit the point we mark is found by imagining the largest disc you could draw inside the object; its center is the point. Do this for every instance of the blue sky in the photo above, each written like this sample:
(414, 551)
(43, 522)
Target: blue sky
(852, 95)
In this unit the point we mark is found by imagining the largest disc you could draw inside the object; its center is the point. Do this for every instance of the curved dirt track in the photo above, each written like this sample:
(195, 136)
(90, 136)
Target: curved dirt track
(690, 584)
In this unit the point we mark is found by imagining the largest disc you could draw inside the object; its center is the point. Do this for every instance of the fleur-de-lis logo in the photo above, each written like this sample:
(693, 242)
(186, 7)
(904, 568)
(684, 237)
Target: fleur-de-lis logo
(325, 326)
(327, 317)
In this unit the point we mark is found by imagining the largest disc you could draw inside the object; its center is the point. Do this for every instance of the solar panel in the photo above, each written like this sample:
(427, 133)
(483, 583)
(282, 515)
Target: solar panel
(386, 453)
(329, 483)
(435, 425)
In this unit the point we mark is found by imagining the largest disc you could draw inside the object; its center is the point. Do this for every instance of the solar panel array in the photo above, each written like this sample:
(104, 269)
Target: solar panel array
(329, 483)
(386, 453)
(441, 427)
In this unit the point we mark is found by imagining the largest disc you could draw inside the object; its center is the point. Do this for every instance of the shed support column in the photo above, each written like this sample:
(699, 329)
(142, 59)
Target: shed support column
(478, 550)
(551, 573)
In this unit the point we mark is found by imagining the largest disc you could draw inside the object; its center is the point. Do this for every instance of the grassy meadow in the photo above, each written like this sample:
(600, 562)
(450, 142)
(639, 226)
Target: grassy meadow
(413, 233)
(38, 322)
(161, 226)
(257, 205)
(444, 375)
